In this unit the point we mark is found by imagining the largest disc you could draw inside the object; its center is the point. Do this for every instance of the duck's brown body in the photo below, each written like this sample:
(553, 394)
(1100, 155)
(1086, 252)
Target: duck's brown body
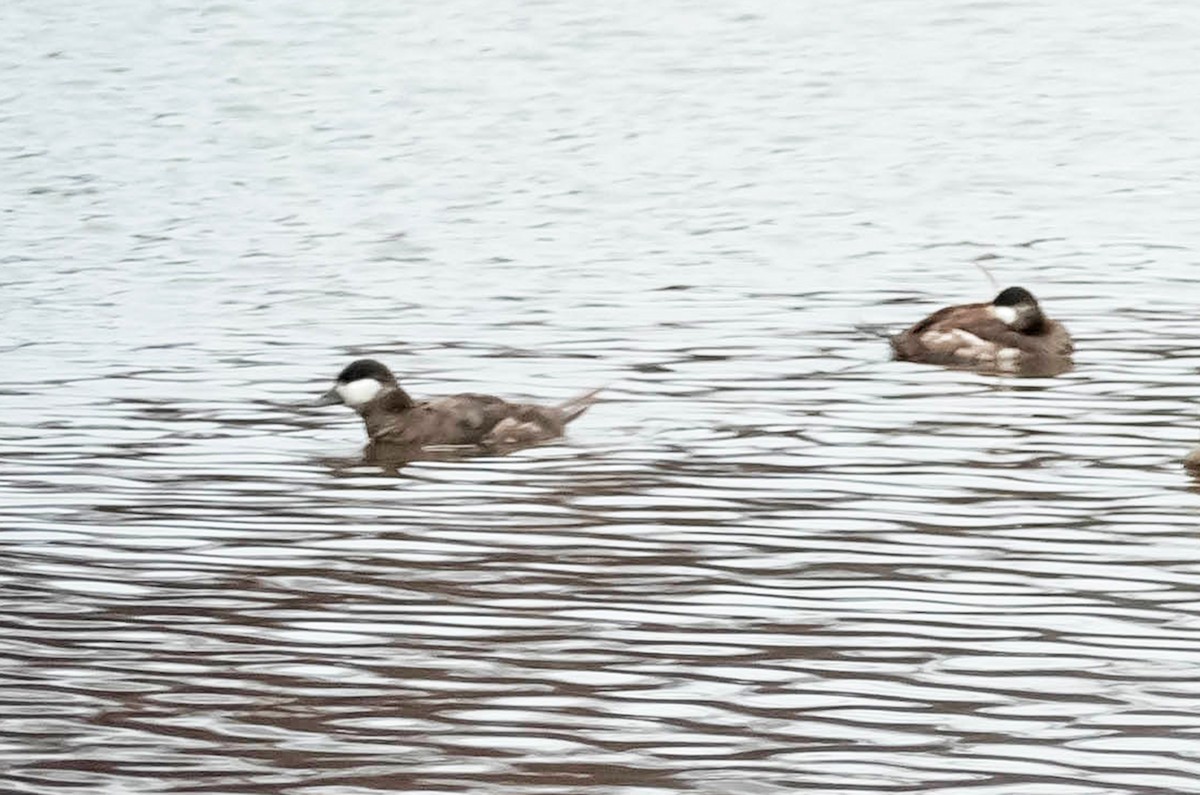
(398, 425)
(977, 336)
(395, 419)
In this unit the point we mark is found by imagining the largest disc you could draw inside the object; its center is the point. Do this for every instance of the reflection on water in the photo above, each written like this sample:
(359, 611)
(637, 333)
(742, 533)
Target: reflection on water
(771, 561)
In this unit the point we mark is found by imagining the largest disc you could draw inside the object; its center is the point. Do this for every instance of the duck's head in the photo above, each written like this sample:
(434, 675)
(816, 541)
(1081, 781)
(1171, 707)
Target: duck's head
(1018, 309)
(358, 384)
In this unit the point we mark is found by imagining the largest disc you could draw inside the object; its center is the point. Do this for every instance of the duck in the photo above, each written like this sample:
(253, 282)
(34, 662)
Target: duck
(396, 421)
(1009, 335)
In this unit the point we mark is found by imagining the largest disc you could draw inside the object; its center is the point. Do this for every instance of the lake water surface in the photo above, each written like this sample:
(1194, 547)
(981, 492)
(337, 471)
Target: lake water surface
(771, 561)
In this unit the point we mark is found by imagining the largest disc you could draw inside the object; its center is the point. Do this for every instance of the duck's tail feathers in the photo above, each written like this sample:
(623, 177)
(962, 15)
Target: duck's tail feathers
(573, 407)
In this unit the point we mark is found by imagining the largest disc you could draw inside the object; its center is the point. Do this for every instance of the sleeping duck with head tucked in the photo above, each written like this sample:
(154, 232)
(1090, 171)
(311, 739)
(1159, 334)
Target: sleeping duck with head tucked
(1009, 335)
(397, 422)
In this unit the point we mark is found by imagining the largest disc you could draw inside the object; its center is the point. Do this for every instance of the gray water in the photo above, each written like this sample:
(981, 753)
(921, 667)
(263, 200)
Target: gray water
(770, 561)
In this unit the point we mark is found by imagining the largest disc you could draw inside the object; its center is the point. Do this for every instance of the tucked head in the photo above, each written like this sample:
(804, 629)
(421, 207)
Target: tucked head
(1014, 296)
(1019, 310)
(358, 384)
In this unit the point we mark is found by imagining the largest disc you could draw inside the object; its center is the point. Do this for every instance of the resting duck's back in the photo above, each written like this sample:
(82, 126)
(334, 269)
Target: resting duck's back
(1009, 334)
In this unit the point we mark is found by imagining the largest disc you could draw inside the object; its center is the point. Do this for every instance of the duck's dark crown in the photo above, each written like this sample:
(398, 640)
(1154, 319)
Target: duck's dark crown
(365, 368)
(1014, 296)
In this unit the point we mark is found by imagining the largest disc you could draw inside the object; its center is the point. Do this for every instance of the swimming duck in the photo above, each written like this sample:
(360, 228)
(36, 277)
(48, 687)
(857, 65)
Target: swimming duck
(1008, 335)
(397, 421)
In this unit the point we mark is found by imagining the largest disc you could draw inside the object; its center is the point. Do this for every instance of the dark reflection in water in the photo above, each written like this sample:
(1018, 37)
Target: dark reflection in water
(772, 561)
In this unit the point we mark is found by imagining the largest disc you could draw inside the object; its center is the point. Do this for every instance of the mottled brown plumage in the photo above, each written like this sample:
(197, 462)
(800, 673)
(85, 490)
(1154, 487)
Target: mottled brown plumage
(394, 420)
(1010, 334)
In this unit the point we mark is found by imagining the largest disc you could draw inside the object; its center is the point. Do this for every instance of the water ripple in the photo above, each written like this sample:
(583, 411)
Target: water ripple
(770, 561)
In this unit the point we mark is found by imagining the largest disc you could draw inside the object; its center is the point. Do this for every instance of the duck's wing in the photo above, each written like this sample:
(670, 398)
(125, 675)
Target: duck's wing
(481, 420)
(452, 420)
(948, 333)
(528, 423)
(981, 324)
(949, 317)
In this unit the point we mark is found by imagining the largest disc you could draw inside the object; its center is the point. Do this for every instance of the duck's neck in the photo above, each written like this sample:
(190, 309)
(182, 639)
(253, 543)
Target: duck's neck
(399, 400)
(390, 398)
(381, 411)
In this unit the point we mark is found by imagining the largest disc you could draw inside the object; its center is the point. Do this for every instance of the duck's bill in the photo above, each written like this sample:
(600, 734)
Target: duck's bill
(328, 399)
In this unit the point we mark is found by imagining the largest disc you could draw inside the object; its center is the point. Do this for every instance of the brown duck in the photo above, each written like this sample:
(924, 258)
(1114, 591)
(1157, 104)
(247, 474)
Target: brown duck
(1011, 335)
(395, 420)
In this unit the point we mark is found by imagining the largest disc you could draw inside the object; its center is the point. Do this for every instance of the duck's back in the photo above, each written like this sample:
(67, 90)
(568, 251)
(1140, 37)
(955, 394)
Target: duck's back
(971, 334)
(469, 419)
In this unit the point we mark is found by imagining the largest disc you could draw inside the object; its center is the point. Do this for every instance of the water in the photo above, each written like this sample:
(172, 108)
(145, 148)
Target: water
(771, 561)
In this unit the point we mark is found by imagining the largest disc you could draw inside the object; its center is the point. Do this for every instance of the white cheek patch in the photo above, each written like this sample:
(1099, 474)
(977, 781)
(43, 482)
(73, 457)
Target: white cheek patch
(356, 393)
(1005, 314)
